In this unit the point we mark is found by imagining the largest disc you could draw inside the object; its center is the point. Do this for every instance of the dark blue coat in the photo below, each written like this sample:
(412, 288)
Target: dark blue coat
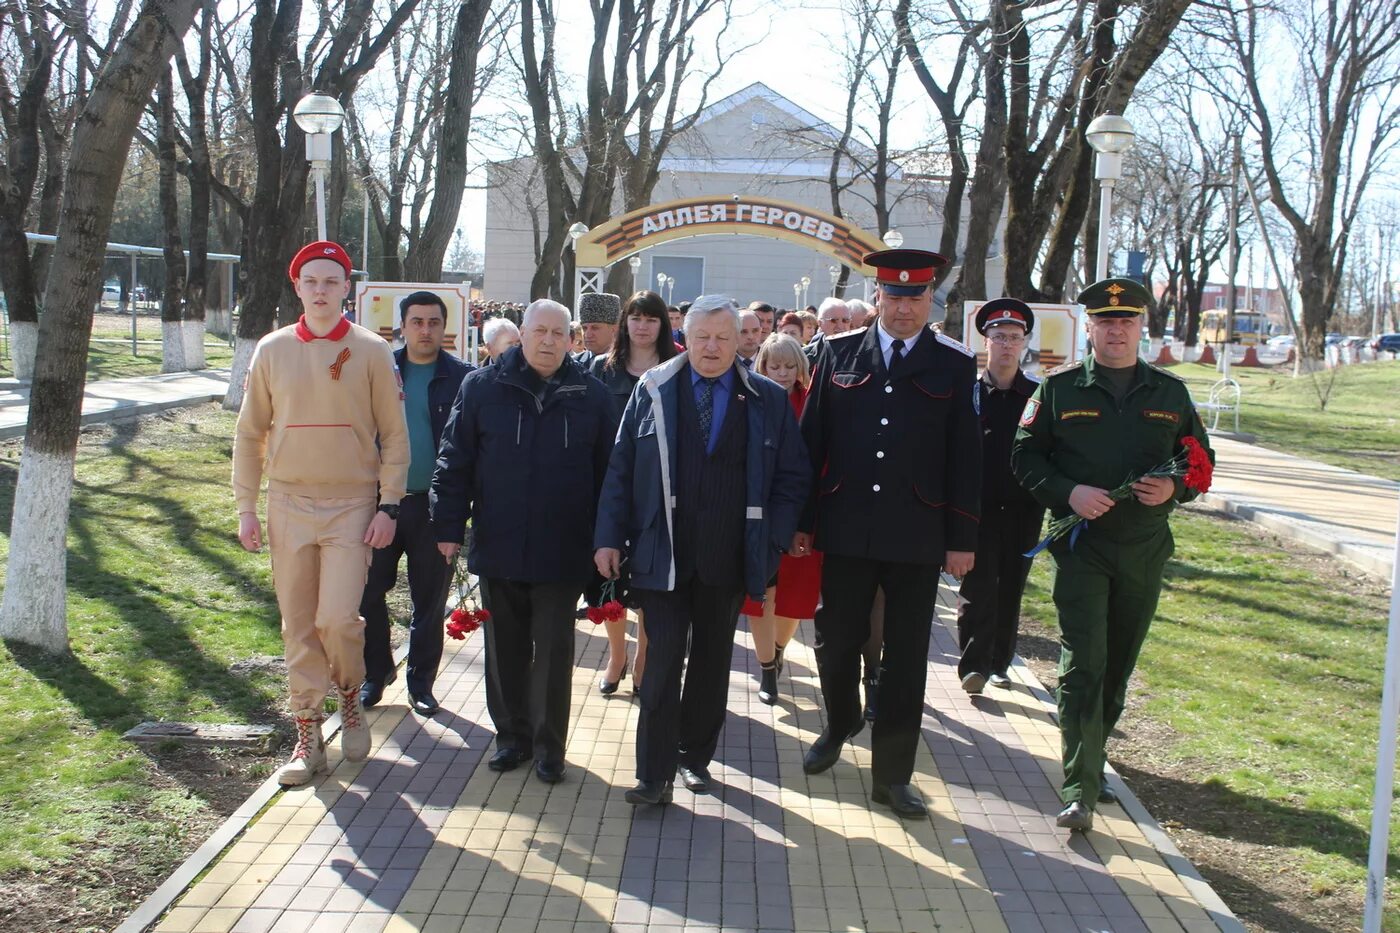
(636, 513)
(527, 474)
(442, 388)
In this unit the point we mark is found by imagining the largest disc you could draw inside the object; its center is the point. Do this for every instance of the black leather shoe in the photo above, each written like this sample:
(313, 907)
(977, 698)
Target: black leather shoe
(372, 691)
(824, 753)
(649, 793)
(551, 772)
(1107, 794)
(507, 759)
(1000, 680)
(424, 704)
(903, 799)
(608, 687)
(696, 780)
(1076, 817)
(768, 685)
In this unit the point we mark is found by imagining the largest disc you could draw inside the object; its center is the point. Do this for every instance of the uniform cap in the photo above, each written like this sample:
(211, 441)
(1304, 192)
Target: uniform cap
(321, 249)
(1116, 298)
(599, 308)
(904, 271)
(1004, 311)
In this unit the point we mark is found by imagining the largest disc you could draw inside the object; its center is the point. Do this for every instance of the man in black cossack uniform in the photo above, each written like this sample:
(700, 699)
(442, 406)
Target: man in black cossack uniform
(989, 604)
(896, 444)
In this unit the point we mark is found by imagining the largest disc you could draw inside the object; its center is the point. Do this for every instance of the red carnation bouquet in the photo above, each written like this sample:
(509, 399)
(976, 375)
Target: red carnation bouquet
(1191, 463)
(611, 609)
(468, 615)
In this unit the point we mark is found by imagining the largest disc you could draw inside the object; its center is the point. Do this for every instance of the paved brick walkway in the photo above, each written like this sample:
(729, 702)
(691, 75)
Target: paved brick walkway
(422, 837)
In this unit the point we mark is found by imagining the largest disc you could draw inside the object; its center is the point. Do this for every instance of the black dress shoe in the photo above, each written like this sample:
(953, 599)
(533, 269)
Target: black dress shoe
(1107, 794)
(507, 759)
(648, 793)
(372, 691)
(824, 753)
(551, 772)
(608, 687)
(696, 780)
(903, 799)
(1076, 817)
(424, 703)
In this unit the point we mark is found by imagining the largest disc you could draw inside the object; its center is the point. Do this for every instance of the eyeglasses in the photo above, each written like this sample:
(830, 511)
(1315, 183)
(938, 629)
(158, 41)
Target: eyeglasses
(1011, 340)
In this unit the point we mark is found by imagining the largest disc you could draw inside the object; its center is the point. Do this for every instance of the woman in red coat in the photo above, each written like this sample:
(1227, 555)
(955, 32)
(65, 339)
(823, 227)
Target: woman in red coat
(793, 596)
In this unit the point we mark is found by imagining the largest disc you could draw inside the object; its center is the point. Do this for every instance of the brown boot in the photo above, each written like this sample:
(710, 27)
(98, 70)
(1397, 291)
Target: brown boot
(309, 756)
(354, 731)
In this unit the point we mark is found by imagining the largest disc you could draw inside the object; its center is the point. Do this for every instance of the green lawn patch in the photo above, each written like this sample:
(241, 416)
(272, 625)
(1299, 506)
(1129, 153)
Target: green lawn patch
(1265, 667)
(114, 360)
(1359, 429)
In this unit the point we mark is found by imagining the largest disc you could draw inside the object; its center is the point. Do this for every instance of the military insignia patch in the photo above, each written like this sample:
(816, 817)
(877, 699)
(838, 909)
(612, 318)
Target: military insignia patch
(1170, 417)
(1078, 413)
(1029, 412)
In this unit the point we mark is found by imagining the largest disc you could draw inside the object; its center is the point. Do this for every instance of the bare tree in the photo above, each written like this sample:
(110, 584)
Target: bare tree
(1341, 115)
(34, 607)
(173, 294)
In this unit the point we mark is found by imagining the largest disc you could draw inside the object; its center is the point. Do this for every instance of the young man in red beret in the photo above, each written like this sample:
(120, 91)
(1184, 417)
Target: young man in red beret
(323, 417)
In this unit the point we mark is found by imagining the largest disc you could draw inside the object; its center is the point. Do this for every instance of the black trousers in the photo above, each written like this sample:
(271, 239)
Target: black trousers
(682, 725)
(843, 626)
(989, 613)
(529, 663)
(429, 578)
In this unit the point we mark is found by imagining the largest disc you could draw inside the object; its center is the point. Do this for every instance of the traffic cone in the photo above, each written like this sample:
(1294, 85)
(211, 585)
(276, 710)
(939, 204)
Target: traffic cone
(1251, 358)
(1164, 357)
(1207, 357)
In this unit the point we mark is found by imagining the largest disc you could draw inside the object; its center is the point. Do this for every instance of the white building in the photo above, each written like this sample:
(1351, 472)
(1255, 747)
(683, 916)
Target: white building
(753, 144)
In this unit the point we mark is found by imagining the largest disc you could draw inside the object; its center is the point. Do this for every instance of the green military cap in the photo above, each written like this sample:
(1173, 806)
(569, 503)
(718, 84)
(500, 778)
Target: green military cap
(1115, 298)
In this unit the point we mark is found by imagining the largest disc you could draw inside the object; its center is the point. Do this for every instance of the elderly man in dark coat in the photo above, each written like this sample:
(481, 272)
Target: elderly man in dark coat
(702, 495)
(523, 457)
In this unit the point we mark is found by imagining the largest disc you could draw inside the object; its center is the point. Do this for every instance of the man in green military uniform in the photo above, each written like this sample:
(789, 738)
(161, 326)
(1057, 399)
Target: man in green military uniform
(1091, 426)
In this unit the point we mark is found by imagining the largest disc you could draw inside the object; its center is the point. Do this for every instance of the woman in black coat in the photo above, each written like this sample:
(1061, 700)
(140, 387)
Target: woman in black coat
(643, 340)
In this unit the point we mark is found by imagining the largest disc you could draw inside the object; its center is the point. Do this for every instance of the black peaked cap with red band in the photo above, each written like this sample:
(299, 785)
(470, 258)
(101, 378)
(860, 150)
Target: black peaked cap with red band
(1004, 311)
(905, 271)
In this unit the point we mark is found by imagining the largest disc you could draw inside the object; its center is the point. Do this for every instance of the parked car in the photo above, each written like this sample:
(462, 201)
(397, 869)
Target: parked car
(1332, 340)
(1282, 342)
(111, 294)
(1386, 343)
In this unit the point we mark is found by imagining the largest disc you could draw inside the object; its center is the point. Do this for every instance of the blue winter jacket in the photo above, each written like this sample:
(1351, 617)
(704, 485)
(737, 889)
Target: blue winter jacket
(442, 388)
(636, 512)
(526, 473)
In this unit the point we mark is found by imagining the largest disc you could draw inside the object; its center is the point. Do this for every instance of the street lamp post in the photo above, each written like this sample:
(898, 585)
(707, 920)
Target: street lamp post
(796, 295)
(1110, 135)
(670, 287)
(635, 263)
(835, 273)
(576, 233)
(806, 281)
(319, 116)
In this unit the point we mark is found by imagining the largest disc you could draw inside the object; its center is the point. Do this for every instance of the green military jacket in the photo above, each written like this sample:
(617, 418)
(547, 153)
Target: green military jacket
(1074, 432)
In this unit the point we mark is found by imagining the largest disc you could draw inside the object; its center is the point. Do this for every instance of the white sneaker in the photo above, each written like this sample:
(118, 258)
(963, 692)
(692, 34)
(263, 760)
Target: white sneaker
(309, 756)
(354, 731)
(974, 682)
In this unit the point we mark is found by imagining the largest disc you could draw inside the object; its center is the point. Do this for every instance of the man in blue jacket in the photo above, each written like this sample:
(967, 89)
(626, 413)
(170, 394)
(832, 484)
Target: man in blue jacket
(703, 494)
(431, 378)
(523, 457)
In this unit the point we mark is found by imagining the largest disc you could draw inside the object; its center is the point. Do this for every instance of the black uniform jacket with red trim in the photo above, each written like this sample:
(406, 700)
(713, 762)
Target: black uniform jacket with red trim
(899, 458)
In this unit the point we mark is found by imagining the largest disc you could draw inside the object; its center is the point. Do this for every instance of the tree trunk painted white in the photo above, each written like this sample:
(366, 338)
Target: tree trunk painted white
(193, 333)
(242, 356)
(24, 343)
(219, 321)
(34, 608)
(172, 347)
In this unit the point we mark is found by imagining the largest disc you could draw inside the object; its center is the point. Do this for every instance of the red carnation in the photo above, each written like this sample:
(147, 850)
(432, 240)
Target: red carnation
(482, 615)
(1199, 469)
(613, 611)
(595, 615)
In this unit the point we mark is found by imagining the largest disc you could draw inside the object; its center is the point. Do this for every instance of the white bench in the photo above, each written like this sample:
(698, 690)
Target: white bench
(1224, 397)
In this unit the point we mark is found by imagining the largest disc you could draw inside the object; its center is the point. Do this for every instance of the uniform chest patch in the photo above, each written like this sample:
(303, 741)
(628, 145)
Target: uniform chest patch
(849, 380)
(1029, 412)
(1080, 414)
(1168, 417)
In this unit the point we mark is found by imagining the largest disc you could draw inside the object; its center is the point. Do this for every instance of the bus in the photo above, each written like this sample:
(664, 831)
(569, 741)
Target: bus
(1251, 327)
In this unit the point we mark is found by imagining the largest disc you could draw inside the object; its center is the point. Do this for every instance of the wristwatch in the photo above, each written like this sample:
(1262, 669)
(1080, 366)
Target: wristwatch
(390, 510)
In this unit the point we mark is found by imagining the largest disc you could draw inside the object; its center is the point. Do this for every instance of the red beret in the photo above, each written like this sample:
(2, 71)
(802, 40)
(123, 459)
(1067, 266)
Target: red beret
(321, 249)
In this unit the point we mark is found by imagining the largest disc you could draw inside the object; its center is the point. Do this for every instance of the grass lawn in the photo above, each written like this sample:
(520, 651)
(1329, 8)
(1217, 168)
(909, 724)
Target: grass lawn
(162, 604)
(1359, 429)
(1256, 714)
(108, 360)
